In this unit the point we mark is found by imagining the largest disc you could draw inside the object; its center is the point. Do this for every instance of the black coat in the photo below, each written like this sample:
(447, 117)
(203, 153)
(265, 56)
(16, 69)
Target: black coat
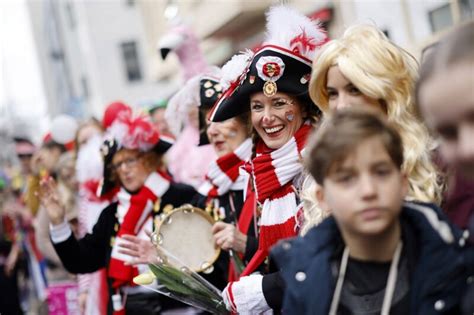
(93, 251)
(439, 267)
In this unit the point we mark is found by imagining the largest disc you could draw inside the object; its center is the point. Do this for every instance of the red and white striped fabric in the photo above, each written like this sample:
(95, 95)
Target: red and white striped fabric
(133, 211)
(273, 172)
(223, 174)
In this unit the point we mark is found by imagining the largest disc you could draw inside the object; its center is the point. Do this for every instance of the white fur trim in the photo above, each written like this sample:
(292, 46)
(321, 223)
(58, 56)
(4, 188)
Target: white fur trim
(248, 295)
(59, 233)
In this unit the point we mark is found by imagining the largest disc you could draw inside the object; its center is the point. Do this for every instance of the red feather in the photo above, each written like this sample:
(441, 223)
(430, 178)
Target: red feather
(302, 43)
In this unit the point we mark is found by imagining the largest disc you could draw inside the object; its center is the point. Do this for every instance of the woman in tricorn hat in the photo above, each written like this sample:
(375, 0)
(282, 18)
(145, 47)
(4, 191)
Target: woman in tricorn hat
(133, 161)
(272, 84)
(221, 193)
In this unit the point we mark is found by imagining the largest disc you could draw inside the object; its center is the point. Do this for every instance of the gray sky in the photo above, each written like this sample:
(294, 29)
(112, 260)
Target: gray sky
(20, 83)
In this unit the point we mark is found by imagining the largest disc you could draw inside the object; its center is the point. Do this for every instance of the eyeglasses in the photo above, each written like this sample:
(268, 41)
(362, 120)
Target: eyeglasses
(130, 162)
(25, 156)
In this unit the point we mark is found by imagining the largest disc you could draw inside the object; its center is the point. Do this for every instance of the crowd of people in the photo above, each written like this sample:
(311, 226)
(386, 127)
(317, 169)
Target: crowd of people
(338, 175)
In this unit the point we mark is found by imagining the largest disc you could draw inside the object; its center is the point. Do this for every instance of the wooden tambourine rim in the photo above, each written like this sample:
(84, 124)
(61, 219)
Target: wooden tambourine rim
(203, 214)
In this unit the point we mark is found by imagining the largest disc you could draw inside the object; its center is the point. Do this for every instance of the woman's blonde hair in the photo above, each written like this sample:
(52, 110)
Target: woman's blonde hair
(386, 72)
(313, 213)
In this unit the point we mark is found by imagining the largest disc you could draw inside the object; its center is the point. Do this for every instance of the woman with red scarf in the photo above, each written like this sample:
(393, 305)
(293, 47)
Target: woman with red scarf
(272, 83)
(222, 190)
(133, 157)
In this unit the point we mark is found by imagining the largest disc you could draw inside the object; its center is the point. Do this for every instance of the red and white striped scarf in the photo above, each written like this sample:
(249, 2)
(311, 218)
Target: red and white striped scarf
(273, 172)
(223, 174)
(133, 211)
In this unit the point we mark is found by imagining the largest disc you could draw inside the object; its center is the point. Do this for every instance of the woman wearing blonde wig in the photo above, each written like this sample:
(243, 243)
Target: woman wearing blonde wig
(365, 68)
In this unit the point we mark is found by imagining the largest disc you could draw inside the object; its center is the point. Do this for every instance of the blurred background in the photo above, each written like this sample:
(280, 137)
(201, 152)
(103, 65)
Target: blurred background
(76, 56)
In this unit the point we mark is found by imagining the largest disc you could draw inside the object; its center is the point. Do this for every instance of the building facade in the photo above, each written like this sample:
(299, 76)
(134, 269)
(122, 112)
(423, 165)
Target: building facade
(92, 53)
(226, 27)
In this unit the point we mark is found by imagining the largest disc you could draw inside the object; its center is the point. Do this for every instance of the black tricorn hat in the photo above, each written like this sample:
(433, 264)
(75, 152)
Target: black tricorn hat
(131, 133)
(210, 90)
(282, 64)
(272, 69)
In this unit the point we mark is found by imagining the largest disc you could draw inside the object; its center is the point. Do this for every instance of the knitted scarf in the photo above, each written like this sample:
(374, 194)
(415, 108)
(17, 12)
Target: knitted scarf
(273, 172)
(133, 211)
(223, 174)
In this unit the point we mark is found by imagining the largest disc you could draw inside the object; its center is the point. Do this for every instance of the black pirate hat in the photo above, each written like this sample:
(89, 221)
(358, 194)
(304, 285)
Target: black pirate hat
(130, 132)
(201, 91)
(282, 64)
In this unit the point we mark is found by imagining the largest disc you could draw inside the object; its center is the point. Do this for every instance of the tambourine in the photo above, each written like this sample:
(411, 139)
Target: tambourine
(186, 233)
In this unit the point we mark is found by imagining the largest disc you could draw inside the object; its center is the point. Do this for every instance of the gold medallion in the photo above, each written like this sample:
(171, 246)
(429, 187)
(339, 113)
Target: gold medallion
(269, 88)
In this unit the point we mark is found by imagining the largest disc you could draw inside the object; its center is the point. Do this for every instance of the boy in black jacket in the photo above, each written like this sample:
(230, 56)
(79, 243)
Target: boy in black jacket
(377, 254)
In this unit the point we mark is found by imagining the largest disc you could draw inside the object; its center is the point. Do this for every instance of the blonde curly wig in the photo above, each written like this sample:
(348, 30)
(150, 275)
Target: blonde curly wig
(383, 71)
(386, 72)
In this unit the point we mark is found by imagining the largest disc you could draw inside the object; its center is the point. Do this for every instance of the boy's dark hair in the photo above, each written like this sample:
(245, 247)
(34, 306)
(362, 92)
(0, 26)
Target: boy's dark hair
(342, 132)
(454, 48)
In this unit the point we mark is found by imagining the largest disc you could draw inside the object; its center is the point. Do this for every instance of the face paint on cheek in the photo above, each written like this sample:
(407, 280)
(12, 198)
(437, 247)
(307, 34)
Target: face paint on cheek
(290, 116)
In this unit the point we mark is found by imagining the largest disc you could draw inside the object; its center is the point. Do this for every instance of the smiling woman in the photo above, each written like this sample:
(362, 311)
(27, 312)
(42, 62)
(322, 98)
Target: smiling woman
(272, 84)
(276, 119)
(133, 157)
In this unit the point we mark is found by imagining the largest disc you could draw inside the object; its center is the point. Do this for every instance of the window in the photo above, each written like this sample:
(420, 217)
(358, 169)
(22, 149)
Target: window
(441, 18)
(467, 9)
(132, 64)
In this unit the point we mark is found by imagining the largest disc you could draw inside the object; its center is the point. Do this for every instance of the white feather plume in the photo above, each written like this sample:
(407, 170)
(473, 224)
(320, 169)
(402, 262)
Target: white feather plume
(235, 67)
(187, 97)
(89, 164)
(285, 23)
(176, 113)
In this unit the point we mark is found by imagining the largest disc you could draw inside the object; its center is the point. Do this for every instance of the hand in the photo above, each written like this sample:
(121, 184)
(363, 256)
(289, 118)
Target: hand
(142, 251)
(82, 301)
(49, 198)
(245, 296)
(227, 236)
(11, 260)
(35, 163)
